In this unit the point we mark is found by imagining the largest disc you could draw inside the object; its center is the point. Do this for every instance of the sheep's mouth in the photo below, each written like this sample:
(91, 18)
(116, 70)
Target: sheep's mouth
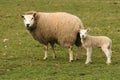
(30, 28)
(27, 27)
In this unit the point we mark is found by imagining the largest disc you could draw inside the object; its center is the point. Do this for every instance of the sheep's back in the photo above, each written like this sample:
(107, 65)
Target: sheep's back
(59, 26)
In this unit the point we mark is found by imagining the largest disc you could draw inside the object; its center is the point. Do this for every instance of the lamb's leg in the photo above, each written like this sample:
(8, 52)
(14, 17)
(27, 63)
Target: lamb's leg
(70, 54)
(54, 54)
(78, 53)
(108, 54)
(89, 53)
(46, 52)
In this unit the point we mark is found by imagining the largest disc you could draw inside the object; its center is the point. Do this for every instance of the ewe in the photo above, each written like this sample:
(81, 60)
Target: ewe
(58, 27)
(89, 42)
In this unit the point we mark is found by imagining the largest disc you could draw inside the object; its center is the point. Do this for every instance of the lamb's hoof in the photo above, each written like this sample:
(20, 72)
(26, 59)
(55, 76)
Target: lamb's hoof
(88, 62)
(108, 63)
(71, 61)
(45, 58)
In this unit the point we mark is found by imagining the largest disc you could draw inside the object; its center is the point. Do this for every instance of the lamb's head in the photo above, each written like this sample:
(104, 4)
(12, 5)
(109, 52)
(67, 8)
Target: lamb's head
(84, 33)
(29, 20)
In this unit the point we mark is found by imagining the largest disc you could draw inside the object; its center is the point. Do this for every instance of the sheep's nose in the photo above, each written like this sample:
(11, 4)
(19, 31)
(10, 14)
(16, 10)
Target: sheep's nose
(27, 25)
(82, 36)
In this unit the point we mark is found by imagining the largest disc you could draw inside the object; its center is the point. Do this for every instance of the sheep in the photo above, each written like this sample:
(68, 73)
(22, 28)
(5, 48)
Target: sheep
(54, 28)
(89, 42)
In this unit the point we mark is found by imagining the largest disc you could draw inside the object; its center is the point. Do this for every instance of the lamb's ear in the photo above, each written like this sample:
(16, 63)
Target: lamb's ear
(35, 15)
(88, 29)
(22, 16)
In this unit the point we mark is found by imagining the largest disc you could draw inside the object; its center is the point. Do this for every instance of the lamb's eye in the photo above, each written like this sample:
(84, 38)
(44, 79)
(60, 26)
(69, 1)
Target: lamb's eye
(24, 19)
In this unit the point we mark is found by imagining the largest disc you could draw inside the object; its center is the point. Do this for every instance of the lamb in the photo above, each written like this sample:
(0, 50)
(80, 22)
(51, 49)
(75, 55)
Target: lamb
(54, 28)
(89, 42)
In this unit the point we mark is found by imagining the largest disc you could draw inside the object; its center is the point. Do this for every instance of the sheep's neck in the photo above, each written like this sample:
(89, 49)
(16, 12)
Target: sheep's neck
(33, 28)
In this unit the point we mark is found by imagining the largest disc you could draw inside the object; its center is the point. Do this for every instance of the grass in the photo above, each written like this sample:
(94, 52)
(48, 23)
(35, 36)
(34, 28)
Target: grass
(21, 57)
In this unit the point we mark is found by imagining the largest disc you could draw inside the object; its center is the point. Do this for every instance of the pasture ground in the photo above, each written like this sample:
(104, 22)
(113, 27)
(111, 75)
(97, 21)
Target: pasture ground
(21, 57)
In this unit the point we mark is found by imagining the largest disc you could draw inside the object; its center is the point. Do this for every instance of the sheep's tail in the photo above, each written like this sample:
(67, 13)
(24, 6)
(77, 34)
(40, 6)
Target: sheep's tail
(78, 39)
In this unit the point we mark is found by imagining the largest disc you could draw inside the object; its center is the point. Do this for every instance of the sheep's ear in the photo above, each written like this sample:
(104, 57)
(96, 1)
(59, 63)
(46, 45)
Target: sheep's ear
(22, 16)
(35, 15)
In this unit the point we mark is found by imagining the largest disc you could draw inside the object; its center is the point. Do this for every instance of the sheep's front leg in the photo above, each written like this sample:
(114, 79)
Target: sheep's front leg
(70, 54)
(54, 54)
(46, 52)
(89, 53)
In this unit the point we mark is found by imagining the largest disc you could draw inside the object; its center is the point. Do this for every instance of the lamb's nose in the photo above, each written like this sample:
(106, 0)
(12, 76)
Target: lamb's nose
(27, 25)
(82, 36)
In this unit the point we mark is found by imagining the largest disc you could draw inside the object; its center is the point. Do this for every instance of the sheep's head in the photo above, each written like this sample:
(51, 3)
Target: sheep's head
(84, 33)
(29, 20)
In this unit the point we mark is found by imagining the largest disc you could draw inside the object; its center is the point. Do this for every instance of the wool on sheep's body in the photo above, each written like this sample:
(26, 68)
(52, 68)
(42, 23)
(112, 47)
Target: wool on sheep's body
(58, 27)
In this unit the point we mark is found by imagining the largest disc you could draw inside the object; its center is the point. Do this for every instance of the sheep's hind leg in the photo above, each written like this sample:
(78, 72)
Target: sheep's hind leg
(54, 54)
(89, 53)
(70, 54)
(77, 57)
(46, 52)
(108, 54)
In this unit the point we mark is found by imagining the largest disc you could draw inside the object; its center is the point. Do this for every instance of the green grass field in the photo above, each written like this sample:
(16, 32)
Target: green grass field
(21, 57)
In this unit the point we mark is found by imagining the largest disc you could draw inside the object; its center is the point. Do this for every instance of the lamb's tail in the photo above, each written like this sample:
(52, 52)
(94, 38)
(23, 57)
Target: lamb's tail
(110, 45)
(78, 39)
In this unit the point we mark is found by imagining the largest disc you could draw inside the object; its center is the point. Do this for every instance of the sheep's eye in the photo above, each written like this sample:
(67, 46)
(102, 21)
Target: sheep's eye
(32, 18)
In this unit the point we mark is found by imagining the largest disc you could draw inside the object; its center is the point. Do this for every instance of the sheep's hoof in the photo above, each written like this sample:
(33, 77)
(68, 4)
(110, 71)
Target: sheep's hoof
(76, 58)
(71, 61)
(54, 57)
(88, 62)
